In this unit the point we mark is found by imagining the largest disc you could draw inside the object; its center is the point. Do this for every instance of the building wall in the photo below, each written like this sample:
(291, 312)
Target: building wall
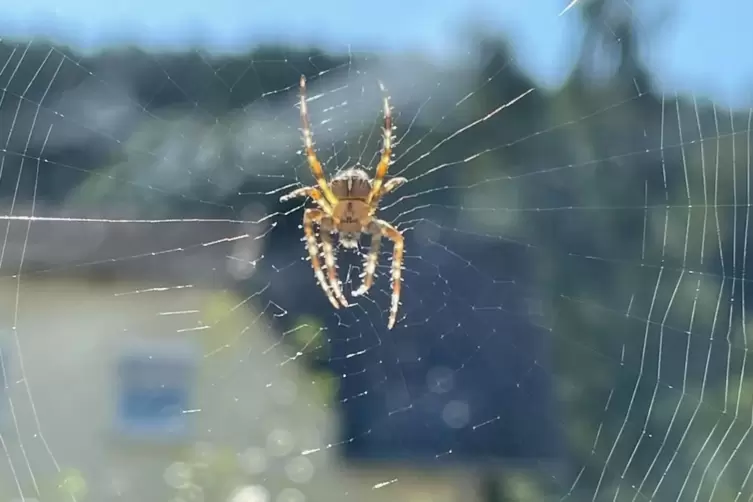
(252, 411)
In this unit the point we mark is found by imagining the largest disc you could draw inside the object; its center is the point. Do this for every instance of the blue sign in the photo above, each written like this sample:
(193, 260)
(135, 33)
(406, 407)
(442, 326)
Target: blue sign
(154, 394)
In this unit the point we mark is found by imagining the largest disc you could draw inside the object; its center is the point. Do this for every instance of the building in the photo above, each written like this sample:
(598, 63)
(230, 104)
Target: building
(133, 371)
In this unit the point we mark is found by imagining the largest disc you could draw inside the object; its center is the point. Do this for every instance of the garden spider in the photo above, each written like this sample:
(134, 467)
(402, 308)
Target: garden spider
(347, 206)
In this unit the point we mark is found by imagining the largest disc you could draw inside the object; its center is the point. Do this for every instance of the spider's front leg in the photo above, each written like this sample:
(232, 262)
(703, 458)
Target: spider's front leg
(396, 237)
(378, 229)
(370, 264)
(310, 217)
(328, 249)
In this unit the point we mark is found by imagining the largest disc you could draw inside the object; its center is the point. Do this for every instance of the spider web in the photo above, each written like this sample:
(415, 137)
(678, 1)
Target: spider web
(573, 306)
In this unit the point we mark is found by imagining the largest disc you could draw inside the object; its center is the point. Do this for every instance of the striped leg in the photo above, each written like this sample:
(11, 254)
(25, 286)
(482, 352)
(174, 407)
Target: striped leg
(308, 144)
(310, 217)
(312, 192)
(370, 264)
(388, 187)
(328, 249)
(384, 162)
(396, 237)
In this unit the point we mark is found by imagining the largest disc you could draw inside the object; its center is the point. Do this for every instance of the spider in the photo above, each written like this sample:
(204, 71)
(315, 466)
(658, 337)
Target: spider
(347, 206)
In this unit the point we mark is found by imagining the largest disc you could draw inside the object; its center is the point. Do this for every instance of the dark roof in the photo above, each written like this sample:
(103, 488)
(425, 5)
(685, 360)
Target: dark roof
(106, 247)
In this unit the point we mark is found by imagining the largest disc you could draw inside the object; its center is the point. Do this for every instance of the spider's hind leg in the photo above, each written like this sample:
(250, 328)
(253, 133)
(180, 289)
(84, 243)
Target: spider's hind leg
(384, 161)
(392, 185)
(308, 143)
(312, 192)
(298, 192)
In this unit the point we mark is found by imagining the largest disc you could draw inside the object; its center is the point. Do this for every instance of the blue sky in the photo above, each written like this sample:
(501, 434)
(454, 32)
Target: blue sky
(704, 49)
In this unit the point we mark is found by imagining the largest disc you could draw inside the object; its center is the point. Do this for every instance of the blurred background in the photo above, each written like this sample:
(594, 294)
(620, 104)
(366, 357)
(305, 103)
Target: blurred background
(573, 313)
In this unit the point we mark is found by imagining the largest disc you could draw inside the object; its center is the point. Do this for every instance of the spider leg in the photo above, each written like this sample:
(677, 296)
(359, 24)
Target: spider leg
(370, 264)
(328, 249)
(312, 192)
(384, 162)
(314, 164)
(388, 187)
(298, 192)
(392, 185)
(311, 216)
(396, 237)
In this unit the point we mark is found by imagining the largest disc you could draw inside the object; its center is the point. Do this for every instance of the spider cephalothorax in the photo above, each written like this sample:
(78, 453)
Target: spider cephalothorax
(347, 207)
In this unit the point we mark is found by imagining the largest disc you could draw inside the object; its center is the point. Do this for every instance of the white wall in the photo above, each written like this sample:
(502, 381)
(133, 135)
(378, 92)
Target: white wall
(251, 417)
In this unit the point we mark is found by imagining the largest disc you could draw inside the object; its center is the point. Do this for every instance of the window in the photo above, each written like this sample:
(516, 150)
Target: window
(154, 391)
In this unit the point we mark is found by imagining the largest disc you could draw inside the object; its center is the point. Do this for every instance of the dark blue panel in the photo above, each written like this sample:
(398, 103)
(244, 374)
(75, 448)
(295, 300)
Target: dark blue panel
(153, 393)
(475, 330)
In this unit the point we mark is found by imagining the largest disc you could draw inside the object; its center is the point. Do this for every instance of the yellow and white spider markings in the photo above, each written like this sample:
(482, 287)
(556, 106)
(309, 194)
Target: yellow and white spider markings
(308, 143)
(347, 206)
(384, 162)
(397, 266)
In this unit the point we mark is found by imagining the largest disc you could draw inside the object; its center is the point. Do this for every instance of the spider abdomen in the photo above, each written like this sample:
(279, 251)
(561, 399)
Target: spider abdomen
(353, 183)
